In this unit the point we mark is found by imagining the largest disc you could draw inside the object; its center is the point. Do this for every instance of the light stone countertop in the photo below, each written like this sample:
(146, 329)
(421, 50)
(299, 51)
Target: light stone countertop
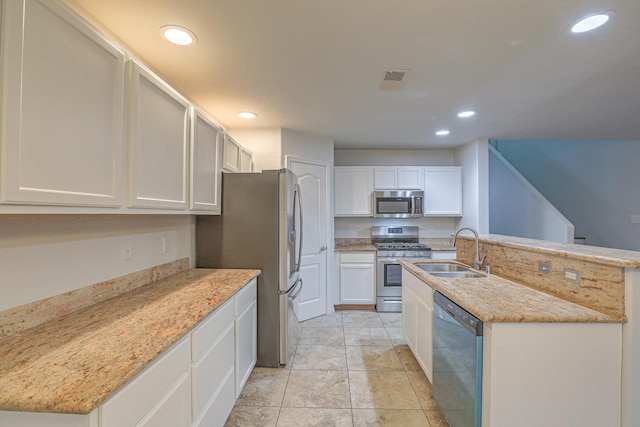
(497, 300)
(608, 256)
(72, 364)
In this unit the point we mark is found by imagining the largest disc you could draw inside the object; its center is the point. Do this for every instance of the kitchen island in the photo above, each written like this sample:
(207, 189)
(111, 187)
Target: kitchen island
(75, 364)
(556, 352)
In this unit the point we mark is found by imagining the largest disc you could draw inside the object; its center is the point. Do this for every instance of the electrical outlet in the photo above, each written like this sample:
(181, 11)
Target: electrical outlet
(126, 250)
(544, 267)
(165, 244)
(572, 275)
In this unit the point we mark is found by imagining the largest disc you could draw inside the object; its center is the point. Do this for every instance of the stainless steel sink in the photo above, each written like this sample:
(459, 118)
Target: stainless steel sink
(442, 267)
(456, 274)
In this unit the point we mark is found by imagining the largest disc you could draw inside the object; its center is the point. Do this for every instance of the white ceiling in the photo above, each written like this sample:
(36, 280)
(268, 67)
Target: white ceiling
(315, 66)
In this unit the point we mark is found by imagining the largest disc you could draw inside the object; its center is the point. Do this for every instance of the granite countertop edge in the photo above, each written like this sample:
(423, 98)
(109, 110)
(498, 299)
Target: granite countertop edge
(494, 299)
(73, 364)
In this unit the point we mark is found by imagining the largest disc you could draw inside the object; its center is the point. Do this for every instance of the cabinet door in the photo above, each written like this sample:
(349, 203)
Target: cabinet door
(231, 154)
(385, 178)
(424, 337)
(410, 178)
(158, 142)
(417, 320)
(205, 164)
(173, 409)
(62, 104)
(443, 191)
(246, 160)
(357, 283)
(246, 333)
(140, 395)
(352, 191)
(246, 345)
(409, 317)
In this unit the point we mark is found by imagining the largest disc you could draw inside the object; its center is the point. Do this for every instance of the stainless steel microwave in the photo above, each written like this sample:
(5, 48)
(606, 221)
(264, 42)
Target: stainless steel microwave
(398, 204)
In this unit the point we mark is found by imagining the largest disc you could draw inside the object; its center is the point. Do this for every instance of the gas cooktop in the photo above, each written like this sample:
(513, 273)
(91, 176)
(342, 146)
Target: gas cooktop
(399, 241)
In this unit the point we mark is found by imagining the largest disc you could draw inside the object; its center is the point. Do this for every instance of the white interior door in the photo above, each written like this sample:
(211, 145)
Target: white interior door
(313, 177)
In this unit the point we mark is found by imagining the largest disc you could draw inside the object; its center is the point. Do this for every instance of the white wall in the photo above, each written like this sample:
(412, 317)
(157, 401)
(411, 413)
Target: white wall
(441, 157)
(516, 208)
(593, 183)
(264, 143)
(474, 159)
(46, 255)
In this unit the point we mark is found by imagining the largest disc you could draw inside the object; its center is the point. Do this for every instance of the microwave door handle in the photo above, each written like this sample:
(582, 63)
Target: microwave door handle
(413, 205)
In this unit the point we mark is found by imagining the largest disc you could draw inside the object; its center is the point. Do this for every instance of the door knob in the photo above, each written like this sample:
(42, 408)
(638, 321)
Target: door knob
(323, 248)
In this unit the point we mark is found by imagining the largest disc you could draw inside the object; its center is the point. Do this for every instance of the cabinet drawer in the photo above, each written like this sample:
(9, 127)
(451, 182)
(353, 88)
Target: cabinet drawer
(173, 409)
(245, 297)
(365, 257)
(211, 372)
(211, 329)
(132, 402)
(219, 407)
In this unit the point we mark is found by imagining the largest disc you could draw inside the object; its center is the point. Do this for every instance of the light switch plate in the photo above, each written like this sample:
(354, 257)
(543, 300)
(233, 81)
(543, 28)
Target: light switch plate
(544, 267)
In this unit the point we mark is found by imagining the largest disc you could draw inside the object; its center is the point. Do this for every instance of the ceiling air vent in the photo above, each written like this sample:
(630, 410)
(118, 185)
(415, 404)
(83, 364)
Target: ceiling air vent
(393, 79)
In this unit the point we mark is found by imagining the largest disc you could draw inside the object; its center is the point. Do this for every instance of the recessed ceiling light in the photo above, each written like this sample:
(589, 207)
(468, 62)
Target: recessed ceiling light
(443, 132)
(592, 21)
(247, 115)
(178, 35)
(465, 114)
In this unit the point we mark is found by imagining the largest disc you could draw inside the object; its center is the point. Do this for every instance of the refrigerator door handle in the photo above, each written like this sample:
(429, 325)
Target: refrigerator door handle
(290, 288)
(295, 294)
(297, 195)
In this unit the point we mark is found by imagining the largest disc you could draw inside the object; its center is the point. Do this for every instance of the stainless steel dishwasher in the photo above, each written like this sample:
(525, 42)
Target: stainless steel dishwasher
(457, 363)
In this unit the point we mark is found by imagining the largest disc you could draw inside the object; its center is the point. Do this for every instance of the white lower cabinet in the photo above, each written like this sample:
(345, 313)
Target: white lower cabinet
(213, 367)
(173, 409)
(417, 320)
(357, 275)
(194, 383)
(138, 398)
(246, 336)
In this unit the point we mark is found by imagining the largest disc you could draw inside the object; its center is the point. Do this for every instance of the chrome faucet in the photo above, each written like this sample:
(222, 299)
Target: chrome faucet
(477, 262)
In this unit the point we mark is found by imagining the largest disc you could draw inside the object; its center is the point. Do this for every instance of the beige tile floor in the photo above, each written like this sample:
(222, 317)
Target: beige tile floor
(350, 368)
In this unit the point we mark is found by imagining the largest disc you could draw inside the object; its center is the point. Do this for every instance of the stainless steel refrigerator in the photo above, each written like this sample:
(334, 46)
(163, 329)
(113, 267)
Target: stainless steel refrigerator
(260, 227)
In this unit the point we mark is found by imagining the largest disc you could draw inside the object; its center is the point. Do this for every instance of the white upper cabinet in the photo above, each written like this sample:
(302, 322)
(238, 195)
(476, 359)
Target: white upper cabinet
(235, 157)
(352, 191)
(158, 142)
(443, 191)
(246, 160)
(62, 104)
(398, 178)
(231, 152)
(205, 182)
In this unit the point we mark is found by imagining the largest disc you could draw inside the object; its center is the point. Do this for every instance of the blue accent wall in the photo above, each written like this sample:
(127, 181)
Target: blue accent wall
(595, 184)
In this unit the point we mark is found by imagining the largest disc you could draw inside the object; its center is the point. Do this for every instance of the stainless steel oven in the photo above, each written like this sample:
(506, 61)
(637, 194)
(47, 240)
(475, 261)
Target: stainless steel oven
(388, 284)
(394, 243)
